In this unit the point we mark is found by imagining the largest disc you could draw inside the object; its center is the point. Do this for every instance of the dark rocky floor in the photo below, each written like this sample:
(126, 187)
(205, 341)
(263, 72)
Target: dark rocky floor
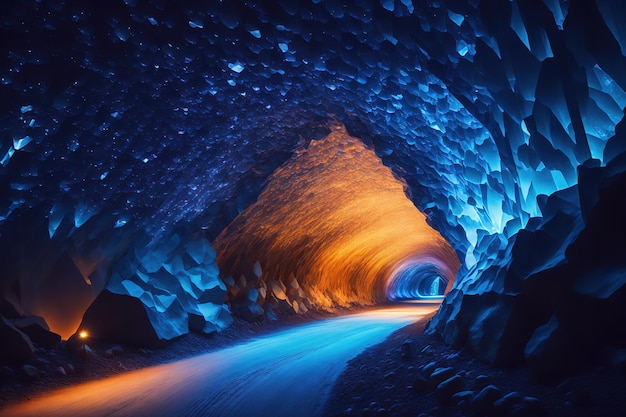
(394, 379)
(383, 381)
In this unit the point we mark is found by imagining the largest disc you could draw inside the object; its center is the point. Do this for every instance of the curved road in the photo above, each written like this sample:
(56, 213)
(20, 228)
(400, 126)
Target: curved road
(287, 373)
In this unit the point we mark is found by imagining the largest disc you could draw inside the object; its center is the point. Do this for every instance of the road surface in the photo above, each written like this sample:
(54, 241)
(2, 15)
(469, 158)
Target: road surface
(287, 373)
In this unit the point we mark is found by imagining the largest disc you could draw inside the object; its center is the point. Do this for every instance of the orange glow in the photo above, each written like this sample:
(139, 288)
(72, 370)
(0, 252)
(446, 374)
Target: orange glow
(338, 220)
(83, 334)
(248, 379)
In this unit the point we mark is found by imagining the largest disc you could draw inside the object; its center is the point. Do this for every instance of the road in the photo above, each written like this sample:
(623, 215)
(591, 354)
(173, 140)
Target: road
(286, 373)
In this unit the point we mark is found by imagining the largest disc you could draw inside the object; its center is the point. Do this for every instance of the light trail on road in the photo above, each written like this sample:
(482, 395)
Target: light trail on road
(287, 373)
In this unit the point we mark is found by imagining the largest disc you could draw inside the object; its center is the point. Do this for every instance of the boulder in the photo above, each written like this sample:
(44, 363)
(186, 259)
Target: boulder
(176, 282)
(482, 403)
(29, 373)
(462, 397)
(505, 404)
(250, 311)
(123, 319)
(210, 318)
(501, 328)
(439, 375)
(406, 349)
(448, 388)
(15, 346)
(449, 322)
(533, 406)
(480, 382)
(551, 352)
(38, 331)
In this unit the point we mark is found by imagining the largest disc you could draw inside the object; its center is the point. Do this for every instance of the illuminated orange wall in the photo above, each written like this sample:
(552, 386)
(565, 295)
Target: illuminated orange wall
(338, 220)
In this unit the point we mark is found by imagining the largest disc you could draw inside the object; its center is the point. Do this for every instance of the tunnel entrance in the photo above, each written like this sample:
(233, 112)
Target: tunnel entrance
(418, 280)
(333, 227)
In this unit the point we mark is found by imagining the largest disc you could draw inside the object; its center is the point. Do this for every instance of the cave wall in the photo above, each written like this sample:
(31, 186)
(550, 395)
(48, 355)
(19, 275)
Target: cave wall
(143, 118)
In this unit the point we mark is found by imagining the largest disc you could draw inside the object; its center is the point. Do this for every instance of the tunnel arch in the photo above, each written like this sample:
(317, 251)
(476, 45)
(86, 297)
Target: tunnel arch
(420, 279)
(332, 228)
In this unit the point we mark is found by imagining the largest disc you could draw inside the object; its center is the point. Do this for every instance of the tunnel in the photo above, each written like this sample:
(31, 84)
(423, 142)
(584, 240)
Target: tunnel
(167, 167)
(335, 226)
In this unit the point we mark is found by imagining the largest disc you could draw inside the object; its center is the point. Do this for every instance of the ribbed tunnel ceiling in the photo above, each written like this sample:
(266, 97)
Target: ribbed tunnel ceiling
(127, 122)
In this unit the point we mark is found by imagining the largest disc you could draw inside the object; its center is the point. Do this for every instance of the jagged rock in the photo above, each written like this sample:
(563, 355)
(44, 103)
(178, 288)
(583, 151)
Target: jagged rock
(124, 319)
(278, 289)
(251, 311)
(482, 403)
(550, 352)
(15, 346)
(257, 270)
(505, 404)
(87, 353)
(69, 368)
(145, 352)
(113, 351)
(117, 350)
(439, 375)
(533, 406)
(210, 318)
(501, 328)
(480, 382)
(40, 362)
(426, 350)
(406, 349)
(462, 399)
(453, 329)
(270, 314)
(37, 330)
(446, 389)
(428, 368)
(29, 373)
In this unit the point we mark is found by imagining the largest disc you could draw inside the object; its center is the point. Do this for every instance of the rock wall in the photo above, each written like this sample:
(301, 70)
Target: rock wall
(160, 292)
(557, 298)
(144, 117)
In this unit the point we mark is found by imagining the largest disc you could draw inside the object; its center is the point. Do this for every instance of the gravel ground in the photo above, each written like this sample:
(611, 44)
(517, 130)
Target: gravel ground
(386, 380)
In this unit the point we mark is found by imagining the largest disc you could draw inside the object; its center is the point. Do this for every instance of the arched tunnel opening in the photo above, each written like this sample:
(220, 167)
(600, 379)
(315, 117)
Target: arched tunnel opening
(332, 227)
(418, 280)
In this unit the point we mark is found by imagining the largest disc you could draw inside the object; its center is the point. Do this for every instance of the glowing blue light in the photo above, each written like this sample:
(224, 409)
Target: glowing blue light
(19, 144)
(236, 67)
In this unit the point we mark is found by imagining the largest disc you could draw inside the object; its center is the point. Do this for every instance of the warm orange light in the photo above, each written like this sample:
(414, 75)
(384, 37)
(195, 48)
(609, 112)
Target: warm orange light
(338, 220)
(83, 334)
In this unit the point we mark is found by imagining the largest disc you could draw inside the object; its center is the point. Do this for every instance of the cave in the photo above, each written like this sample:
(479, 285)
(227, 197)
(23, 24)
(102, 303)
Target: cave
(167, 168)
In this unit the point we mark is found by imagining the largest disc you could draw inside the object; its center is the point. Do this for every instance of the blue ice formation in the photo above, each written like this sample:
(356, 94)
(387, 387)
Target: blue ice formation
(158, 120)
